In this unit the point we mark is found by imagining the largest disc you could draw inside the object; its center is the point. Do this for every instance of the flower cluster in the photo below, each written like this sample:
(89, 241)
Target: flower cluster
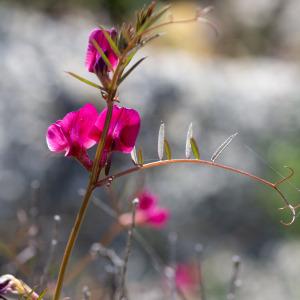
(82, 129)
(148, 212)
(101, 59)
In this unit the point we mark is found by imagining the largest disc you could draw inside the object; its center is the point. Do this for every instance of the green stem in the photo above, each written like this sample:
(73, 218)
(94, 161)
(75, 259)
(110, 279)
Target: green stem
(72, 240)
(82, 211)
(180, 161)
(96, 169)
(274, 186)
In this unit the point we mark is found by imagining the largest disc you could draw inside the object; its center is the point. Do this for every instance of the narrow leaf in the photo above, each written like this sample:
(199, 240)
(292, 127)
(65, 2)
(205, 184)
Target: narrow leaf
(130, 56)
(161, 140)
(150, 39)
(111, 42)
(195, 148)
(127, 73)
(86, 81)
(103, 55)
(42, 294)
(188, 146)
(168, 150)
(223, 146)
(134, 156)
(158, 15)
(140, 157)
(153, 19)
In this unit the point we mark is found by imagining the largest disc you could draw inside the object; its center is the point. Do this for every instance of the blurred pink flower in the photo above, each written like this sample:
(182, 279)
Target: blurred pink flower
(187, 277)
(122, 133)
(94, 61)
(148, 212)
(71, 134)
(10, 285)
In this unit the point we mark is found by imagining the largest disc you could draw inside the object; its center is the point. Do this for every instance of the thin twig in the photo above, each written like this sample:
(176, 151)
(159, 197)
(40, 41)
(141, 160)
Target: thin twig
(53, 245)
(222, 147)
(287, 205)
(109, 254)
(172, 279)
(199, 256)
(86, 293)
(235, 282)
(123, 293)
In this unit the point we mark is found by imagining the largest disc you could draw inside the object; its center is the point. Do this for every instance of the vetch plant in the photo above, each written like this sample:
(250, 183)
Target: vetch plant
(110, 56)
(148, 213)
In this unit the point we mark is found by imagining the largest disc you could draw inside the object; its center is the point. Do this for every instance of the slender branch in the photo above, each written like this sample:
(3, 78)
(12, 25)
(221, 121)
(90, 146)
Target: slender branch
(135, 202)
(199, 258)
(234, 281)
(285, 178)
(53, 246)
(180, 161)
(155, 164)
(71, 242)
(96, 169)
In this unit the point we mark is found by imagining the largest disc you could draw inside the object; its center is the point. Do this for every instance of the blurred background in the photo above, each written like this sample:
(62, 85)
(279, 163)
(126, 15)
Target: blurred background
(245, 80)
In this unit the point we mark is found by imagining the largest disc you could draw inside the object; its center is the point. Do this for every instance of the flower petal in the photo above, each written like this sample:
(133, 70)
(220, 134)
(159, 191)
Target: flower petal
(126, 130)
(158, 217)
(84, 122)
(56, 140)
(146, 201)
(93, 56)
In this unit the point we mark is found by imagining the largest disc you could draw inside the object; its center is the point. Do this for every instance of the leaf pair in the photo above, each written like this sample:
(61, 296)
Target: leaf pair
(163, 146)
(191, 144)
(137, 156)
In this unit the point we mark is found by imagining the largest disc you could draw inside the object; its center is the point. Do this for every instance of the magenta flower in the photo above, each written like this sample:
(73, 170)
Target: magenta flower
(94, 61)
(187, 277)
(4, 285)
(71, 134)
(148, 212)
(10, 285)
(122, 133)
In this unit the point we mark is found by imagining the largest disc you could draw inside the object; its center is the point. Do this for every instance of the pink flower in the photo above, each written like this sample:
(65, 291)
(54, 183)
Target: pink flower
(12, 286)
(148, 213)
(187, 277)
(71, 134)
(94, 61)
(122, 133)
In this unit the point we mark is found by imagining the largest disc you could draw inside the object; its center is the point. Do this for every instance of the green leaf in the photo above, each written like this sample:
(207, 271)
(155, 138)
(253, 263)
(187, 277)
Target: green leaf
(168, 150)
(127, 73)
(188, 146)
(86, 81)
(150, 39)
(153, 19)
(130, 56)
(195, 148)
(103, 55)
(140, 157)
(158, 15)
(111, 42)
(161, 139)
(134, 156)
(223, 146)
(42, 294)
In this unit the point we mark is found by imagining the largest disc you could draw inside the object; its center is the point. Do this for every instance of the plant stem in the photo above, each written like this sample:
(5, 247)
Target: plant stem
(274, 186)
(180, 161)
(123, 293)
(96, 169)
(72, 239)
